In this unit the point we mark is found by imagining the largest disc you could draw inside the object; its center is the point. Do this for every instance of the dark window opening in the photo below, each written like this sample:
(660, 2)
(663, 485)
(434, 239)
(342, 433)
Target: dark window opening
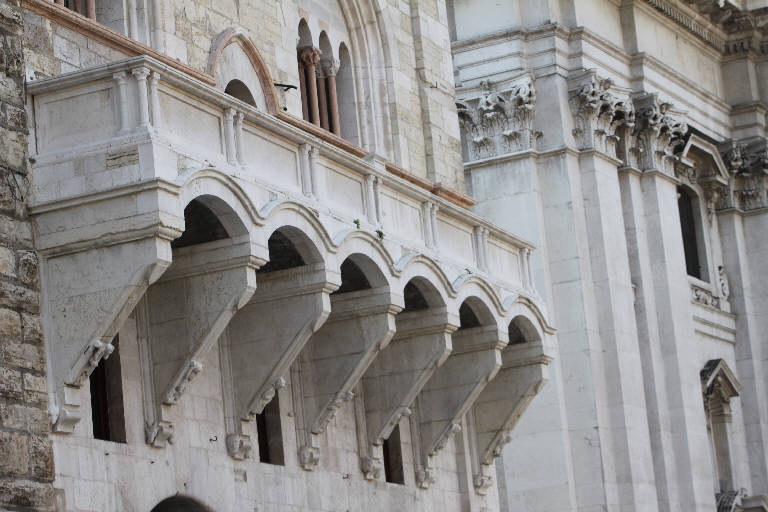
(107, 398)
(688, 226)
(516, 336)
(239, 90)
(467, 317)
(282, 254)
(393, 458)
(269, 432)
(200, 226)
(414, 300)
(352, 278)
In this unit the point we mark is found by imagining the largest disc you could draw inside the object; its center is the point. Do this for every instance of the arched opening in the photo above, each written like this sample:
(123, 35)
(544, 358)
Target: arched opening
(347, 104)
(521, 330)
(201, 225)
(692, 233)
(307, 56)
(180, 504)
(239, 90)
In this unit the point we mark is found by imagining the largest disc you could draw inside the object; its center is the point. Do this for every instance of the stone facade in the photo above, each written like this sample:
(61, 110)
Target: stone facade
(243, 308)
(640, 114)
(26, 455)
(267, 282)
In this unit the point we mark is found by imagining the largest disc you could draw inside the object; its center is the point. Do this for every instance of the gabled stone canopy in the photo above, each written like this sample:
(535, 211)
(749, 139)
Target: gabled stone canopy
(170, 140)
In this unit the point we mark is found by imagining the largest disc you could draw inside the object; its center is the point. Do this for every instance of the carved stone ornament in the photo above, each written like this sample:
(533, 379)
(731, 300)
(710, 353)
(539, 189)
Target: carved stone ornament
(370, 467)
(719, 385)
(160, 433)
(598, 115)
(704, 296)
(425, 476)
(330, 412)
(449, 432)
(748, 166)
(655, 137)
(239, 446)
(269, 394)
(190, 371)
(722, 281)
(308, 457)
(88, 361)
(498, 123)
(482, 483)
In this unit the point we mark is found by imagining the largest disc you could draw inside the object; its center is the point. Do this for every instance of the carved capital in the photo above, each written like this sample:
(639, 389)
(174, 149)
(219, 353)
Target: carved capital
(239, 446)
(328, 67)
(656, 135)
(497, 123)
(370, 467)
(160, 433)
(308, 458)
(748, 165)
(309, 55)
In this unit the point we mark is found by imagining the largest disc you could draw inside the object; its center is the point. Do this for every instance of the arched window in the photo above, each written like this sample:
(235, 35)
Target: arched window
(345, 88)
(239, 90)
(326, 84)
(692, 232)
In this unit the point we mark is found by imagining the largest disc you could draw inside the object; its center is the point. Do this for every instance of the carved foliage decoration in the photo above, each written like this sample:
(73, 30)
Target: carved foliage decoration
(600, 117)
(748, 166)
(655, 137)
(498, 123)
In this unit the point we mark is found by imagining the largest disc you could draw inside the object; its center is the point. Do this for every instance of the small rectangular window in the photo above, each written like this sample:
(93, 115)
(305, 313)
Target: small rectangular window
(393, 458)
(107, 398)
(270, 435)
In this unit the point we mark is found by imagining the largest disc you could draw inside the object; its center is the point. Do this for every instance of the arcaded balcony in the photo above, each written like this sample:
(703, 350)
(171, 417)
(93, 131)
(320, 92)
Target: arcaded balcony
(155, 193)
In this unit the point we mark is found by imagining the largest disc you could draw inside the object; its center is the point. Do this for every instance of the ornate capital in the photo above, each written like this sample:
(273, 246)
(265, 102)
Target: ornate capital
(498, 123)
(748, 165)
(598, 115)
(309, 55)
(656, 135)
(328, 67)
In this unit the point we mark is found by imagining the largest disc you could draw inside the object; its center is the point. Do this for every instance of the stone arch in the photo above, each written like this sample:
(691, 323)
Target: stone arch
(419, 265)
(356, 241)
(282, 213)
(237, 89)
(527, 308)
(472, 284)
(224, 197)
(223, 60)
(180, 503)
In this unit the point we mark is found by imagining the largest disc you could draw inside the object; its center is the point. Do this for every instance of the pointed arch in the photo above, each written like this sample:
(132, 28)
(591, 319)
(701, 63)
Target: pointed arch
(239, 36)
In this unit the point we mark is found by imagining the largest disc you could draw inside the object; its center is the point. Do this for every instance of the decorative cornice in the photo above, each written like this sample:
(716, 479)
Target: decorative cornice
(668, 8)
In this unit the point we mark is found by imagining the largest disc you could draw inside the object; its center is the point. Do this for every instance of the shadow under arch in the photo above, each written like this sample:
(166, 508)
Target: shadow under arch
(522, 330)
(180, 503)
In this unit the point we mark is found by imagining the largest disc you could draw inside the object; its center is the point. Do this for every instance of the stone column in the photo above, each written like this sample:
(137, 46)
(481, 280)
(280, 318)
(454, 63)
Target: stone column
(303, 89)
(142, 95)
(310, 56)
(322, 97)
(90, 9)
(122, 101)
(330, 68)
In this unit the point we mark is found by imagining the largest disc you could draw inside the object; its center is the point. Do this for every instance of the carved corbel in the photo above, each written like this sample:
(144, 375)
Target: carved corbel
(390, 385)
(360, 326)
(453, 388)
(183, 316)
(296, 302)
(502, 402)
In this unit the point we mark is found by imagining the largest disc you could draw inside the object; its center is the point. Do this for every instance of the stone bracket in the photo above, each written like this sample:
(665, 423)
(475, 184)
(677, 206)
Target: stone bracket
(296, 303)
(390, 385)
(183, 316)
(360, 325)
(89, 294)
(454, 387)
(500, 405)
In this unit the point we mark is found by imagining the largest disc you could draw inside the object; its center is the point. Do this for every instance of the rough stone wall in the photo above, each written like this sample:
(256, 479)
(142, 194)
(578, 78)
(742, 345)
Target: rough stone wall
(26, 457)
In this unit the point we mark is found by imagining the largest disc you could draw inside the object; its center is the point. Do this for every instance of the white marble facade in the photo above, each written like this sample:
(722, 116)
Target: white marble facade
(585, 333)
(586, 125)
